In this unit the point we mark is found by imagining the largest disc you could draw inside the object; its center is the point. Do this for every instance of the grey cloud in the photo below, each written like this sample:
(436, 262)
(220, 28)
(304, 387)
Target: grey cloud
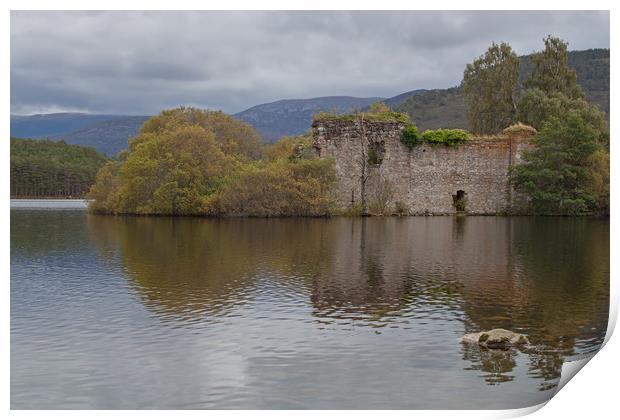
(141, 62)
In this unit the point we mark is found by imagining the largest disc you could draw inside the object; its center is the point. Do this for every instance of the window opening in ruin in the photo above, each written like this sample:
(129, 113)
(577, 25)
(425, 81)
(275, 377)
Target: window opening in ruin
(376, 150)
(460, 200)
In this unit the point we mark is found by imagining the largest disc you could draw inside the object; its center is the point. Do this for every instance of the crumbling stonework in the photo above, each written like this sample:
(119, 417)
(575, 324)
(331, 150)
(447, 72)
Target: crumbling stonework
(427, 178)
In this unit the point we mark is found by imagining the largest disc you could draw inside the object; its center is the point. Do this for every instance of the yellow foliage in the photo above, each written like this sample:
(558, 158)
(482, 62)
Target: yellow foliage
(192, 162)
(233, 136)
(278, 189)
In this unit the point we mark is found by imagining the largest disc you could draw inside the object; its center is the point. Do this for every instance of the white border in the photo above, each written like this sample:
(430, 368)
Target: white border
(591, 395)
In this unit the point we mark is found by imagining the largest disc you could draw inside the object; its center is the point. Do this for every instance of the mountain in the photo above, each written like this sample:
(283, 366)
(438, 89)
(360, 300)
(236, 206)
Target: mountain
(294, 116)
(109, 133)
(437, 108)
(48, 125)
(395, 101)
(445, 108)
(106, 133)
(428, 108)
(108, 137)
(291, 117)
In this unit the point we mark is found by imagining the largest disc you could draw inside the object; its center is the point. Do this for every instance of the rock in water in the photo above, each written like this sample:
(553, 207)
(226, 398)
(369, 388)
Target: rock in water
(496, 339)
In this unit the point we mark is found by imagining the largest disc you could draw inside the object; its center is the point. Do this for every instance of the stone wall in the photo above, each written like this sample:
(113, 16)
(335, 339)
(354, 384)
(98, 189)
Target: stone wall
(425, 178)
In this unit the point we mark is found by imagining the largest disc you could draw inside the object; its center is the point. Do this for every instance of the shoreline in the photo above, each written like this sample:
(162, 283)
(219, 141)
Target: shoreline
(82, 204)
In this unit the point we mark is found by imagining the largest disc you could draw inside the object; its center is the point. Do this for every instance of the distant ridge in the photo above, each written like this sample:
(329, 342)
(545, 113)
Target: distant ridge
(108, 137)
(429, 108)
(293, 116)
(48, 125)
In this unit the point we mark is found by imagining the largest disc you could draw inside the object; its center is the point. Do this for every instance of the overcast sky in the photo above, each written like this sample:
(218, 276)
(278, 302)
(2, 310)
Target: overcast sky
(142, 62)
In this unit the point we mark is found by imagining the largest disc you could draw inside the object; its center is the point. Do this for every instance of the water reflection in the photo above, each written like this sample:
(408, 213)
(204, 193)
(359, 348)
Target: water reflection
(496, 364)
(548, 278)
(196, 269)
(294, 313)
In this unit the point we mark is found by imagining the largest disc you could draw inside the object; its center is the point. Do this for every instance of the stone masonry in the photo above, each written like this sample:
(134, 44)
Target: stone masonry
(427, 178)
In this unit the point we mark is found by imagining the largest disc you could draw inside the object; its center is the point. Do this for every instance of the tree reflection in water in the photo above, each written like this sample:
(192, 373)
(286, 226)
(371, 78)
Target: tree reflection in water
(544, 277)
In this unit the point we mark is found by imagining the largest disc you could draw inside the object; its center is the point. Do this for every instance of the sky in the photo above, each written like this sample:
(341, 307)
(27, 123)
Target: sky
(139, 63)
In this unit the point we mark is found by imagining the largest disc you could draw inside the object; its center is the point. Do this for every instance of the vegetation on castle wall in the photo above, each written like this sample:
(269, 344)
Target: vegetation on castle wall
(186, 161)
(410, 136)
(381, 116)
(520, 128)
(448, 137)
(378, 108)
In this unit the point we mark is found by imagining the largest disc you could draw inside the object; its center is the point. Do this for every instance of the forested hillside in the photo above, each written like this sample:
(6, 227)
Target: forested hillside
(428, 108)
(445, 108)
(44, 168)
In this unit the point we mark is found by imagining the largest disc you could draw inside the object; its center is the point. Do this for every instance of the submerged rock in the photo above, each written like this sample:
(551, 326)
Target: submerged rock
(496, 339)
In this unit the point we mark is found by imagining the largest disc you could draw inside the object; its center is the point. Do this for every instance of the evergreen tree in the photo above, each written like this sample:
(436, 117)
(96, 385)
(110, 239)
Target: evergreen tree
(568, 170)
(45, 168)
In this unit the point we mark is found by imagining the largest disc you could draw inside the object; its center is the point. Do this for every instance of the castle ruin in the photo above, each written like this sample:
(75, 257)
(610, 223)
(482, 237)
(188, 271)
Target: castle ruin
(471, 177)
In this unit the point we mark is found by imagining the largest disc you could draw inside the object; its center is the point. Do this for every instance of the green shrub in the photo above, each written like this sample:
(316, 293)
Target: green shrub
(401, 208)
(378, 108)
(383, 116)
(410, 135)
(373, 157)
(448, 137)
(460, 204)
(354, 210)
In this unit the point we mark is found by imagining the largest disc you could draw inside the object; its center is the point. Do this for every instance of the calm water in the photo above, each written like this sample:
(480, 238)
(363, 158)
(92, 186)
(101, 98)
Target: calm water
(49, 204)
(114, 312)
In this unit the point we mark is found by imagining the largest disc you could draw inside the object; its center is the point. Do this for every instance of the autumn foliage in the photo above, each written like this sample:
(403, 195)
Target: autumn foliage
(187, 161)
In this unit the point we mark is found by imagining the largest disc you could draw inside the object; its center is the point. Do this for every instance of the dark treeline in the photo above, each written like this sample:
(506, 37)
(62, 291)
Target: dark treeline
(44, 168)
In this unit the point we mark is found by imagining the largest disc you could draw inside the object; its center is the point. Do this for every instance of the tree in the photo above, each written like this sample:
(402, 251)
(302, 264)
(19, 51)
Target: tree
(567, 171)
(363, 164)
(192, 162)
(45, 168)
(489, 86)
(378, 108)
(536, 107)
(383, 197)
(234, 137)
(551, 73)
(171, 172)
(105, 188)
(289, 148)
(277, 188)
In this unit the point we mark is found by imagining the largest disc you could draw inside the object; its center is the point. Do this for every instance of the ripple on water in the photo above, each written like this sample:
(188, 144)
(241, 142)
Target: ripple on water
(114, 312)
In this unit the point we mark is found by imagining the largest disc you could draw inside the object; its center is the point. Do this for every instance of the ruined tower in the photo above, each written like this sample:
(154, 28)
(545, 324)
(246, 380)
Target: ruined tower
(425, 179)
